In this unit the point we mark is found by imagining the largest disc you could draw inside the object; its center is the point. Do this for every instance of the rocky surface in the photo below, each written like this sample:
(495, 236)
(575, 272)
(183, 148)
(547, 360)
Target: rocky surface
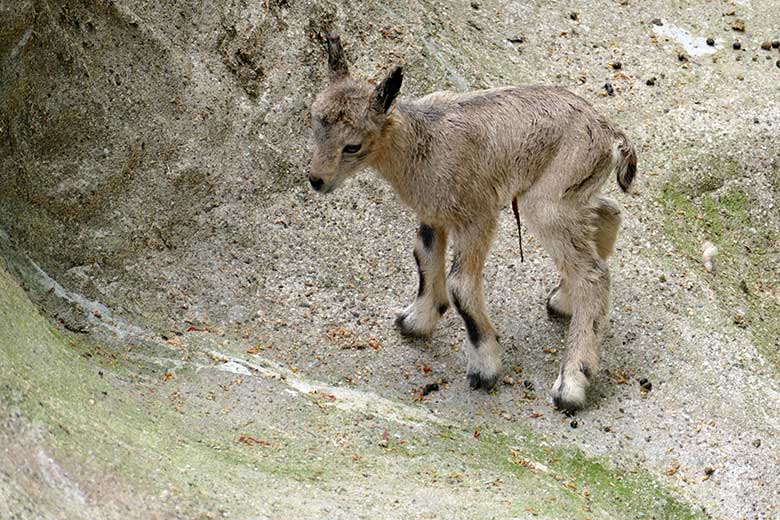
(153, 160)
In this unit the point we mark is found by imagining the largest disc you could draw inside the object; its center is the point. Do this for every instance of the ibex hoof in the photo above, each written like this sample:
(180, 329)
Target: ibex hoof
(569, 395)
(406, 327)
(477, 381)
(554, 308)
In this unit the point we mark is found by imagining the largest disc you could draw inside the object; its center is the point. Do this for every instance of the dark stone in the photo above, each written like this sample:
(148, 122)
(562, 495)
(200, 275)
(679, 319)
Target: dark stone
(574, 423)
(528, 385)
(609, 89)
(711, 42)
(516, 39)
(650, 82)
(736, 46)
(775, 44)
(430, 387)
(617, 65)
(645, 385)
(574, 15)
(657, 21)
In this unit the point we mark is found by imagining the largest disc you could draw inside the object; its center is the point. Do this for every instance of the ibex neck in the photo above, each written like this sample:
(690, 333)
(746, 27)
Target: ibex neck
(403, 150)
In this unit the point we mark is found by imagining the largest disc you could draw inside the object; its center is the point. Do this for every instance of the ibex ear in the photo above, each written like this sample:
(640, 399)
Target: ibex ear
(386, 92)
(337, 63)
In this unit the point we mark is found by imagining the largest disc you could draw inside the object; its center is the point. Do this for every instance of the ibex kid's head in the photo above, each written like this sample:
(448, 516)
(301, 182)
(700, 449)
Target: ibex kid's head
(347, 118)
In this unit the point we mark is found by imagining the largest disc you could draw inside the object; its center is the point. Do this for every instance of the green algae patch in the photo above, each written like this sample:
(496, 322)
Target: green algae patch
(568, 484)
(746, 275)
(80, 396)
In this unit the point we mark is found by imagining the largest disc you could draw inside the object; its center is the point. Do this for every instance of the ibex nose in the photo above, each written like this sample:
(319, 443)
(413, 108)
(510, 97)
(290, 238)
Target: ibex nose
(315, 182)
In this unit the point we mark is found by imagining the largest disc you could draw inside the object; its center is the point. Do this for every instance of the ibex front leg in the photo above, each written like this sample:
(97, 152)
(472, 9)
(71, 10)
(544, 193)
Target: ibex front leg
(483, 352)
(431, 303)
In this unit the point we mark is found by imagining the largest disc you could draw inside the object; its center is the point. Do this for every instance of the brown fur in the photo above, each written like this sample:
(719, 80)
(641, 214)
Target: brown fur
(457, 159)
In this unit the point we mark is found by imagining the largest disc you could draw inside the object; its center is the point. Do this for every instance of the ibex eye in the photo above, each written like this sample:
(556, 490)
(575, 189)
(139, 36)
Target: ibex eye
(352, 148)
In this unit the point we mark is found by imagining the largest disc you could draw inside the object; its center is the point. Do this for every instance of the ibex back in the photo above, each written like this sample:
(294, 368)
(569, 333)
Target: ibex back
(457, 159)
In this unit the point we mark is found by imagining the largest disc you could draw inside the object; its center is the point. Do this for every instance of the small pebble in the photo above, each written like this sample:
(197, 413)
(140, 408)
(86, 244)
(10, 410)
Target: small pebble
(650, 82)
(609, 89)
(766, 46)
(682, 57)
(778, 64)
(574, 15)
(775, 44)
(756, 443)
(709, 251)
(617, 65)
(645, 385)
(508, 380)
(709, 470)
(574, 423)
(738, 25)
(736, 46)
(740, 318)
(662, 278)
(657, 21)
(475, 5)
(528, 385)
(711, 42)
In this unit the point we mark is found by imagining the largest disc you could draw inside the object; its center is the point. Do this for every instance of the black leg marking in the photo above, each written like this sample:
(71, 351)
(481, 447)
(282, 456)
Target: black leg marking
(471, 325)
(426, 234)
(442, 308)
(421, 288)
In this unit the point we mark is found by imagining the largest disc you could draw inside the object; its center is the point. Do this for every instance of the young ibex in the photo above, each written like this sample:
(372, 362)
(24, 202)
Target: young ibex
(457, 159)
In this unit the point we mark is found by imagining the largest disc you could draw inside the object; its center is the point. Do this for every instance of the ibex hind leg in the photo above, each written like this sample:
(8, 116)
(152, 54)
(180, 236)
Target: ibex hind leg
(606, 217)
(565, 229)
